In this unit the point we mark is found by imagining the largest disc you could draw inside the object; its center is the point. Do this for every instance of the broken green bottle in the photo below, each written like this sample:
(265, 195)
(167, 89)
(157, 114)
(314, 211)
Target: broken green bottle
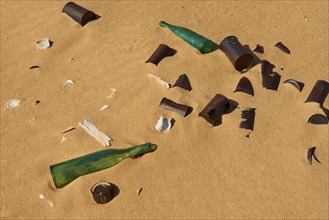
(65, 172)
(201, 43)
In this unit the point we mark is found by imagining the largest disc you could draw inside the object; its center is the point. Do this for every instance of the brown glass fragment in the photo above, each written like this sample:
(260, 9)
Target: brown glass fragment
(298, 85)
(310, 153)
(34, 67)
(249, 115)
(270, 79)
(318, 119)
(183, 82)
(78, 13)
(319, 92)
(161, 52)
(282, 47)
(215, 109)
(259, 49)
(236, 53)
(245, 85)
(102, 192)
(173, 106)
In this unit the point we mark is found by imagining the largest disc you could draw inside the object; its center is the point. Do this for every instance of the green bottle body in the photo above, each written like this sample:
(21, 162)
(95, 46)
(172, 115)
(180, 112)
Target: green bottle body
(65, 172)
(201, 43)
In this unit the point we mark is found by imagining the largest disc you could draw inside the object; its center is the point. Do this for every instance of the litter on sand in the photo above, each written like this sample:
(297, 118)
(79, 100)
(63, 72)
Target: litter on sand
(113, 90)
(310, 154)
(34, 67)
(93, 131)
(67, 130)
(63, 139)
(68, 82)
(13, 103)
(163, 124)
(159, 80)
(104, 107)
(43, 44)
(42, 196)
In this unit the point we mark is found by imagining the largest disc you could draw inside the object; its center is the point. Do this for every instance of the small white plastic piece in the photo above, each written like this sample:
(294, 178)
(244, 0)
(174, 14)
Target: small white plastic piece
(163, 124)
(63, 139)
(42, 196)
(113, 90)
(68, 82)
(93, 131)
(12, 103)
(159, 80)
(104, 107)
(43, 44)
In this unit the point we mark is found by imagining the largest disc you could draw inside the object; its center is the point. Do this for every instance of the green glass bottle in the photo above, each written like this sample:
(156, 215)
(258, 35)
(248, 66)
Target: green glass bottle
(201, 43)
(65, 172)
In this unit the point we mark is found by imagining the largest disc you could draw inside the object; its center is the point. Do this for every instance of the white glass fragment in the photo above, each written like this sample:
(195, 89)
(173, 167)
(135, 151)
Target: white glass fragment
(113, 90)
(159, 80)
(93, 131)
(12, 103)
(68, 82)
(42, 196)
(43, 44)
(163, 124)
(104, 107)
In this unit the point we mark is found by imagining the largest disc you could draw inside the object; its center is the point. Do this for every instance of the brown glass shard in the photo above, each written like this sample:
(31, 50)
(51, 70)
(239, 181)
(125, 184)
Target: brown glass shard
(282, 47)
(160, 53)
(236, 53)
(298, 85)
(259, 49)
(310, 153)
(270, 79)
(176, 107)
(102, 192)
(215, 109)
(34, 67)
(78, 13)
(249, 116)
(245, 85)
(183, 82)
(319, 92)
(318, 119)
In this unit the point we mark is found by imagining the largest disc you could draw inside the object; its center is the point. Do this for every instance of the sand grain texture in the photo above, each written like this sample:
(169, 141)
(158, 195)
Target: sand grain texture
(198, 171)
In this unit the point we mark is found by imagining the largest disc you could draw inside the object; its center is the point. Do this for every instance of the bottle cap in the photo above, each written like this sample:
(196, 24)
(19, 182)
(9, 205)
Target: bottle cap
(102, 192)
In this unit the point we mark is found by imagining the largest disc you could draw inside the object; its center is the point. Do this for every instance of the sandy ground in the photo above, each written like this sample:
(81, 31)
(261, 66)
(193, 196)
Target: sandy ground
(198, 171)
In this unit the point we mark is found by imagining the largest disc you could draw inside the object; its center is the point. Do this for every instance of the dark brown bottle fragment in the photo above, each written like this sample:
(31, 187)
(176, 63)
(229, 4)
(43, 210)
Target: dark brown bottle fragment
(102, 192)
(310, 153)
(176, 107)
(78, 13)
(319, 92)
(34, 67)
(215, 109)
(236, 53)
(183, 82)
(259, 49)
(161, 52)
(249, 116)
(282, 47)
(318, 119)
(298, 85)
(245, 85)
(270, 79)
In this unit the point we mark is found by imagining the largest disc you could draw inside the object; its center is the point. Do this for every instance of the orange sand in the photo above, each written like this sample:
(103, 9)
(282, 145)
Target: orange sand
(198, 171)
